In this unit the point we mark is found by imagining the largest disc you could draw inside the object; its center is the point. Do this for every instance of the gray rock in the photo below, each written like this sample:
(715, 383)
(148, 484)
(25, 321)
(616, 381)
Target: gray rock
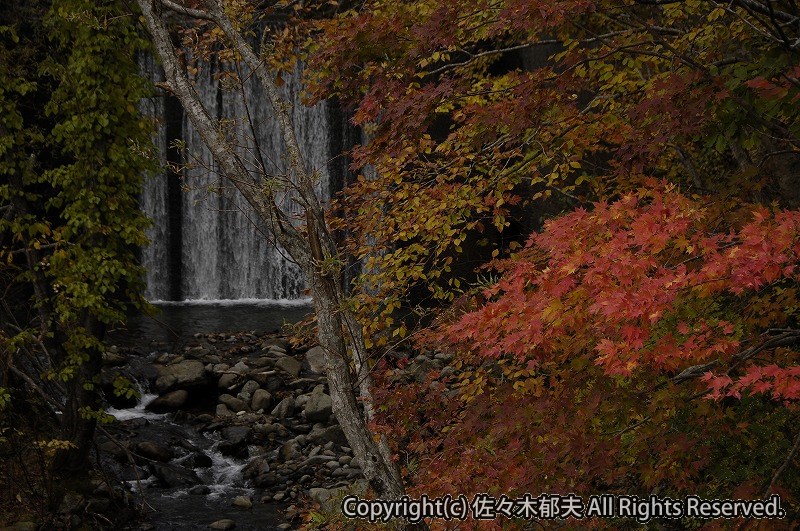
(272, 383)
(266, 481)
(220, 368)
(315, 357)
(236, 434)
(114, 359)
(241, 368)
(174, 475)
(233, 403)
(228, 380)
(223, 411)
(330, 435)
(262, 399)
(224, 524)
(276, 351)
(289, 365)
(248, 389)
(319, 494)
(261, 362)
(171, 401)
(200, 490)
(301, 400)
(276, 342)
(116, 449)
(284, 409)
(255, 468)
(154, 451)
(318, 408)
(234, 441)
(183, 375)
(289, 451)
(134, 473)
(242, 502)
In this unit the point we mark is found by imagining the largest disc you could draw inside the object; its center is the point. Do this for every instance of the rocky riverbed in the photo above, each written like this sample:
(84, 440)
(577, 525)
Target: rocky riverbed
(232, 430)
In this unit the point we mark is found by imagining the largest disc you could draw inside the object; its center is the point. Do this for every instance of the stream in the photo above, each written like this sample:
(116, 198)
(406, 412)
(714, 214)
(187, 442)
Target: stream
(208, 481)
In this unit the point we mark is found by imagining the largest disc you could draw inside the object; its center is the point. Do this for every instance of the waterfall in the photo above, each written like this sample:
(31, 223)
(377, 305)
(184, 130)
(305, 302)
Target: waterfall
(207, 243)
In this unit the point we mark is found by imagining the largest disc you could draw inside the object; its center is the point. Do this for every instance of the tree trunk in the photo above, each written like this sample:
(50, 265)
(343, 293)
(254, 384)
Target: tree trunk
(335, 324)
(82, 394)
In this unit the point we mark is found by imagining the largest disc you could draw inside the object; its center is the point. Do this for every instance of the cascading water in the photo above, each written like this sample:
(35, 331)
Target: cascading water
(206, 241)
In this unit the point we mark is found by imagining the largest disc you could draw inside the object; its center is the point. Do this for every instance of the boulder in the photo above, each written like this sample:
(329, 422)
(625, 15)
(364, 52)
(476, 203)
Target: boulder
(154, 451)
(319, 495)
(241, 368)
(219, 368)
(171, 401)
(318, 407)
(284, 409)
(233, 403)
(255, 468)
(248, 389)
(262, 399)
(321, 435)
(279, 342)
(183, 375)
(242, 502)
(271, 382)
(315, 357)
(276, 351)
(114, 358)
(175, 475)
(228, 380)
(289, 365)
(289, 451)
(266, 481)
(234, 441)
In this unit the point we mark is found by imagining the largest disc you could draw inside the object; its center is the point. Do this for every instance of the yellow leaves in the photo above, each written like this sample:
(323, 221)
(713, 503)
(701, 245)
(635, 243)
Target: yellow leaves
(401, 331)
(715, 13)
(435, 57)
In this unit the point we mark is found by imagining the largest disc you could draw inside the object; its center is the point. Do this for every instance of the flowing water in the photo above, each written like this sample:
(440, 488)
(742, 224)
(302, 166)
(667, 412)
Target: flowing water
(177, 507)
(206, 241)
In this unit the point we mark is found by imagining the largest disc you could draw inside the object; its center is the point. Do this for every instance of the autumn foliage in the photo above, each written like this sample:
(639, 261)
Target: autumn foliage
(609, 193)
(646, 283)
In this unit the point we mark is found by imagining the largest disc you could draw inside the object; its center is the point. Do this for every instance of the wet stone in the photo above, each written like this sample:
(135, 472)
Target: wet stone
(242, 502)
(224, 524)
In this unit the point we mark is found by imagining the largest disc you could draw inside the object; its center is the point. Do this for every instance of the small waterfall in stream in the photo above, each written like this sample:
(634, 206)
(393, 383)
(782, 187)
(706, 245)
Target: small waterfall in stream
(206, 242)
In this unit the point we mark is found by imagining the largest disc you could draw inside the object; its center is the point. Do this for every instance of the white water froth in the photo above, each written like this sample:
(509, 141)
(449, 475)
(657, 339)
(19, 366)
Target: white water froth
(138, 411)
(226, 474)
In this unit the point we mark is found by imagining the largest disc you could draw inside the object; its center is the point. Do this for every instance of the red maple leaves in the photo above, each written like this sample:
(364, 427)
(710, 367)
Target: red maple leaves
(640, 283)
